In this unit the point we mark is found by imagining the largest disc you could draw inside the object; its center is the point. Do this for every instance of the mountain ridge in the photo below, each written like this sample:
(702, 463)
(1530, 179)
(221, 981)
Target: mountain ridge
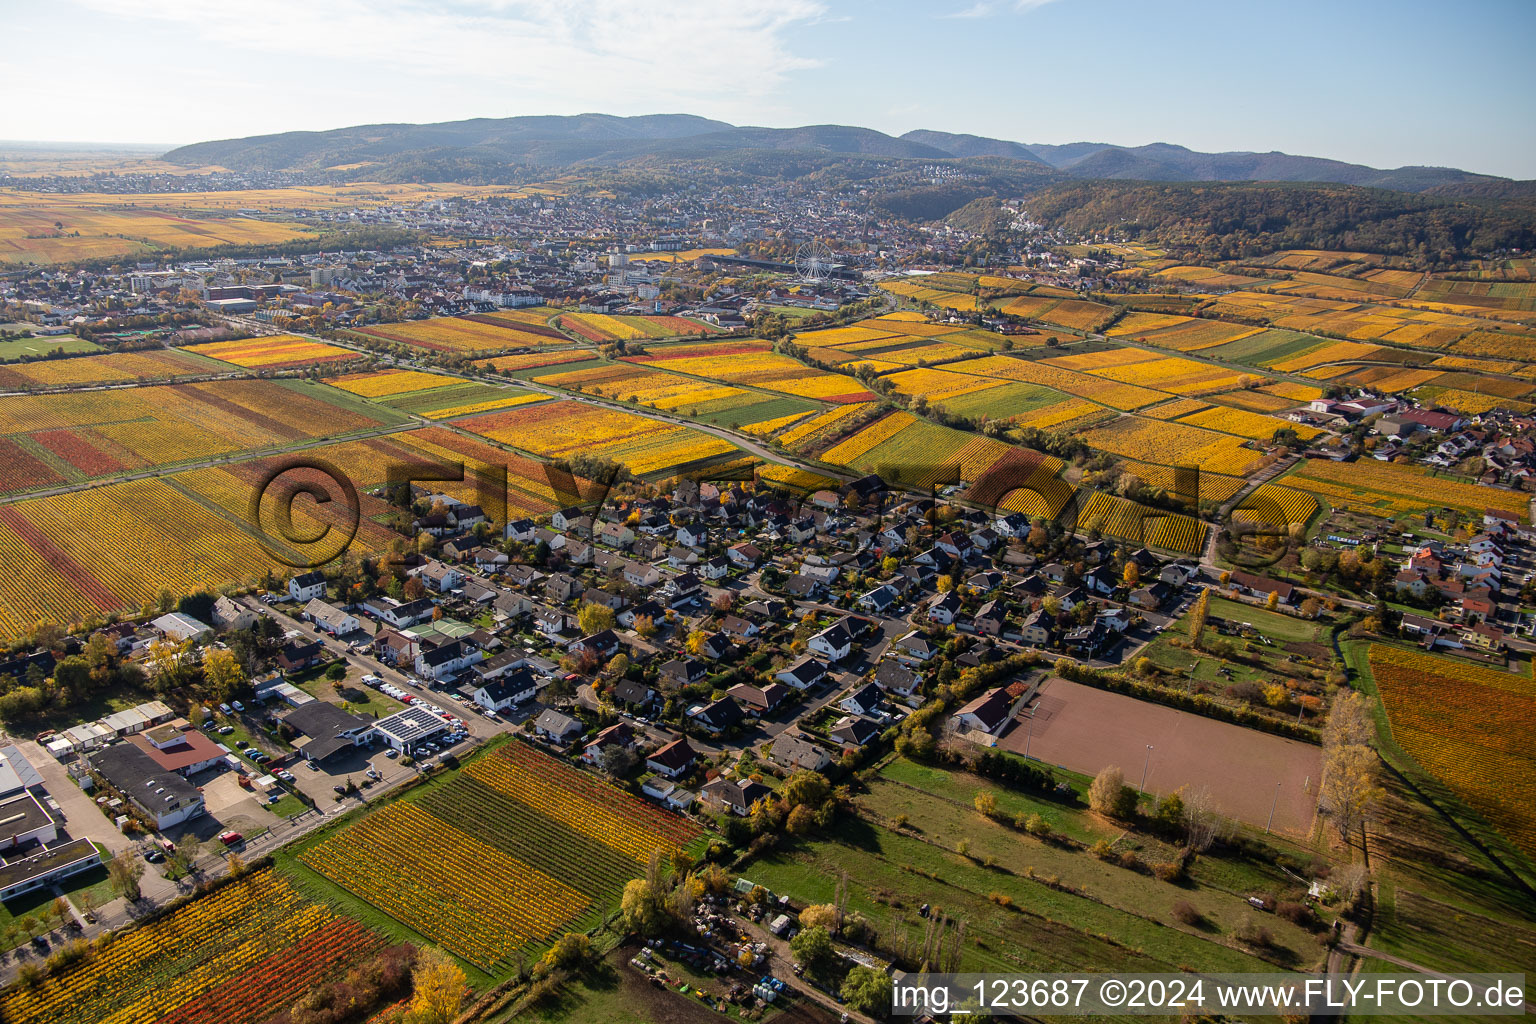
(605, 140)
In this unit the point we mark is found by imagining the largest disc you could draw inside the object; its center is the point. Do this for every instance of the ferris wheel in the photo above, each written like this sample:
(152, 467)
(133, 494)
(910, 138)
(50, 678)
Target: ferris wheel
(814, 261)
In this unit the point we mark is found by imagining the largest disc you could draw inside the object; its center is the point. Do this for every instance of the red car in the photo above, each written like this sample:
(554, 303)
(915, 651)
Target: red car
(231, 838)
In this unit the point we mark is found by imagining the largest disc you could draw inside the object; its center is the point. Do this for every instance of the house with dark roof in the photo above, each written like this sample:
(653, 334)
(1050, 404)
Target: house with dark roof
(719, 715)
(672, 760)
(803, 674)
(793, 750)
(987, 713)
(863, 700)
(734, 795)
(328, 730)
(683, 672)
(759, 700)
(853, 732)
(504, 691)
(833, 643)
(162, 796)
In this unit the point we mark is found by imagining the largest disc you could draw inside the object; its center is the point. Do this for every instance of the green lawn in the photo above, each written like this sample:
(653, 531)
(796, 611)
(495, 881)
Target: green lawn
(12, 349)
(1035, 906)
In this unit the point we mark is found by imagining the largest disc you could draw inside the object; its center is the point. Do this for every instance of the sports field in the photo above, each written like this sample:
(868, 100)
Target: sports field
(1084, 729)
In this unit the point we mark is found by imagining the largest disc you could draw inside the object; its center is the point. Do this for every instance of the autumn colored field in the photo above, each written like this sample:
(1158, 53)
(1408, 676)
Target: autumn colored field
(502, 857)
(235, 956)
(1473, 727)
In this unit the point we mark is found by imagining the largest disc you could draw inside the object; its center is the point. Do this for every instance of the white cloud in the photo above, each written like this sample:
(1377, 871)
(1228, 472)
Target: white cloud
(538, 55)
(987, 8)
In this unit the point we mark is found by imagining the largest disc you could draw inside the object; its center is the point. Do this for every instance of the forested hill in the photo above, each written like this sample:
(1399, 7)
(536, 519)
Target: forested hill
(475, 149)
(1238, 220)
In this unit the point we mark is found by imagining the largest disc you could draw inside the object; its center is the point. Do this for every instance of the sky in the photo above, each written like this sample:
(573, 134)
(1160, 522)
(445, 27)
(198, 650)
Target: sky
(1385, 84)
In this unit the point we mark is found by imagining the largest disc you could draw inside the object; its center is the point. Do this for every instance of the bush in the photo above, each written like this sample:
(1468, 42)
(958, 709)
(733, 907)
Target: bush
(1254, 935)
(1000, 898)
(1186, 912)
(1298, 914)
(1169, 870)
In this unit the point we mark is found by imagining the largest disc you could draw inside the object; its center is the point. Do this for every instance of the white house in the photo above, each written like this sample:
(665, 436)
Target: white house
(306, 586)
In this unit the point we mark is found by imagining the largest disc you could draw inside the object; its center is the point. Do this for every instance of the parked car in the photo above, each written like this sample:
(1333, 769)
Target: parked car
(225, 730)
(231, 838)
(286, 776)
(339, 790)
(237, 705)
(225, 708)
(154, 856)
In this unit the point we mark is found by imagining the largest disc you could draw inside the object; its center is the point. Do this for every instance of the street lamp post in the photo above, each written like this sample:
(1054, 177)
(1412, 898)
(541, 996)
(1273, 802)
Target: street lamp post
(1144, 766)
(1272, 804)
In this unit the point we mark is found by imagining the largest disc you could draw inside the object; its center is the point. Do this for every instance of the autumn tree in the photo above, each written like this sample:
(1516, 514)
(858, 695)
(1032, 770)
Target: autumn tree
(1108, 794)
(438, 989)
(124, 874)
(1131, 576)
(594, 618)
(223, 673)
(1350, 791)
(1197, 617)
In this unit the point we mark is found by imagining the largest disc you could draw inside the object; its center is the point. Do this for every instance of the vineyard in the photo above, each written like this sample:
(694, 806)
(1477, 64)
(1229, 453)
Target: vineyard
(1137, 524)
(235, 956)
(754, 364)
(72, 437)
(1389, 489)
(111, 368)
(562, 428)
(602, 328)
(501, 858)
(469, 335)
(1472, 727)
(282, 352)
(1172, 444)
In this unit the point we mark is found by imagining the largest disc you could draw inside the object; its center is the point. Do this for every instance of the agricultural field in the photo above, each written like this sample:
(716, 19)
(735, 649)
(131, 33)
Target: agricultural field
(1115, 395)
(725, 405)
(1083, 728)
(1245, 424)
(915, 453)
(1028, 905)
(1277, 506)
(680, 256)
(1472, 727)
(564, 428)
(1180, 333)
(1172, 374)
(281, 352)
(66, 438)
(1388, 489)
(601, 328)
(1137, 524)
(40, 228)
(1172, 443)
(810, 434)
(191, 531)
(108, 368)
(754, 364)
(473, 335)
(500, 858)
(523, 362)
(1448, 327)
(235, 956)
(385, 383)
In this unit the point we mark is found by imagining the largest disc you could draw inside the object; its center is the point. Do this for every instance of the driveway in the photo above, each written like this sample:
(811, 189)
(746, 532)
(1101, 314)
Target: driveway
(82, 818)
